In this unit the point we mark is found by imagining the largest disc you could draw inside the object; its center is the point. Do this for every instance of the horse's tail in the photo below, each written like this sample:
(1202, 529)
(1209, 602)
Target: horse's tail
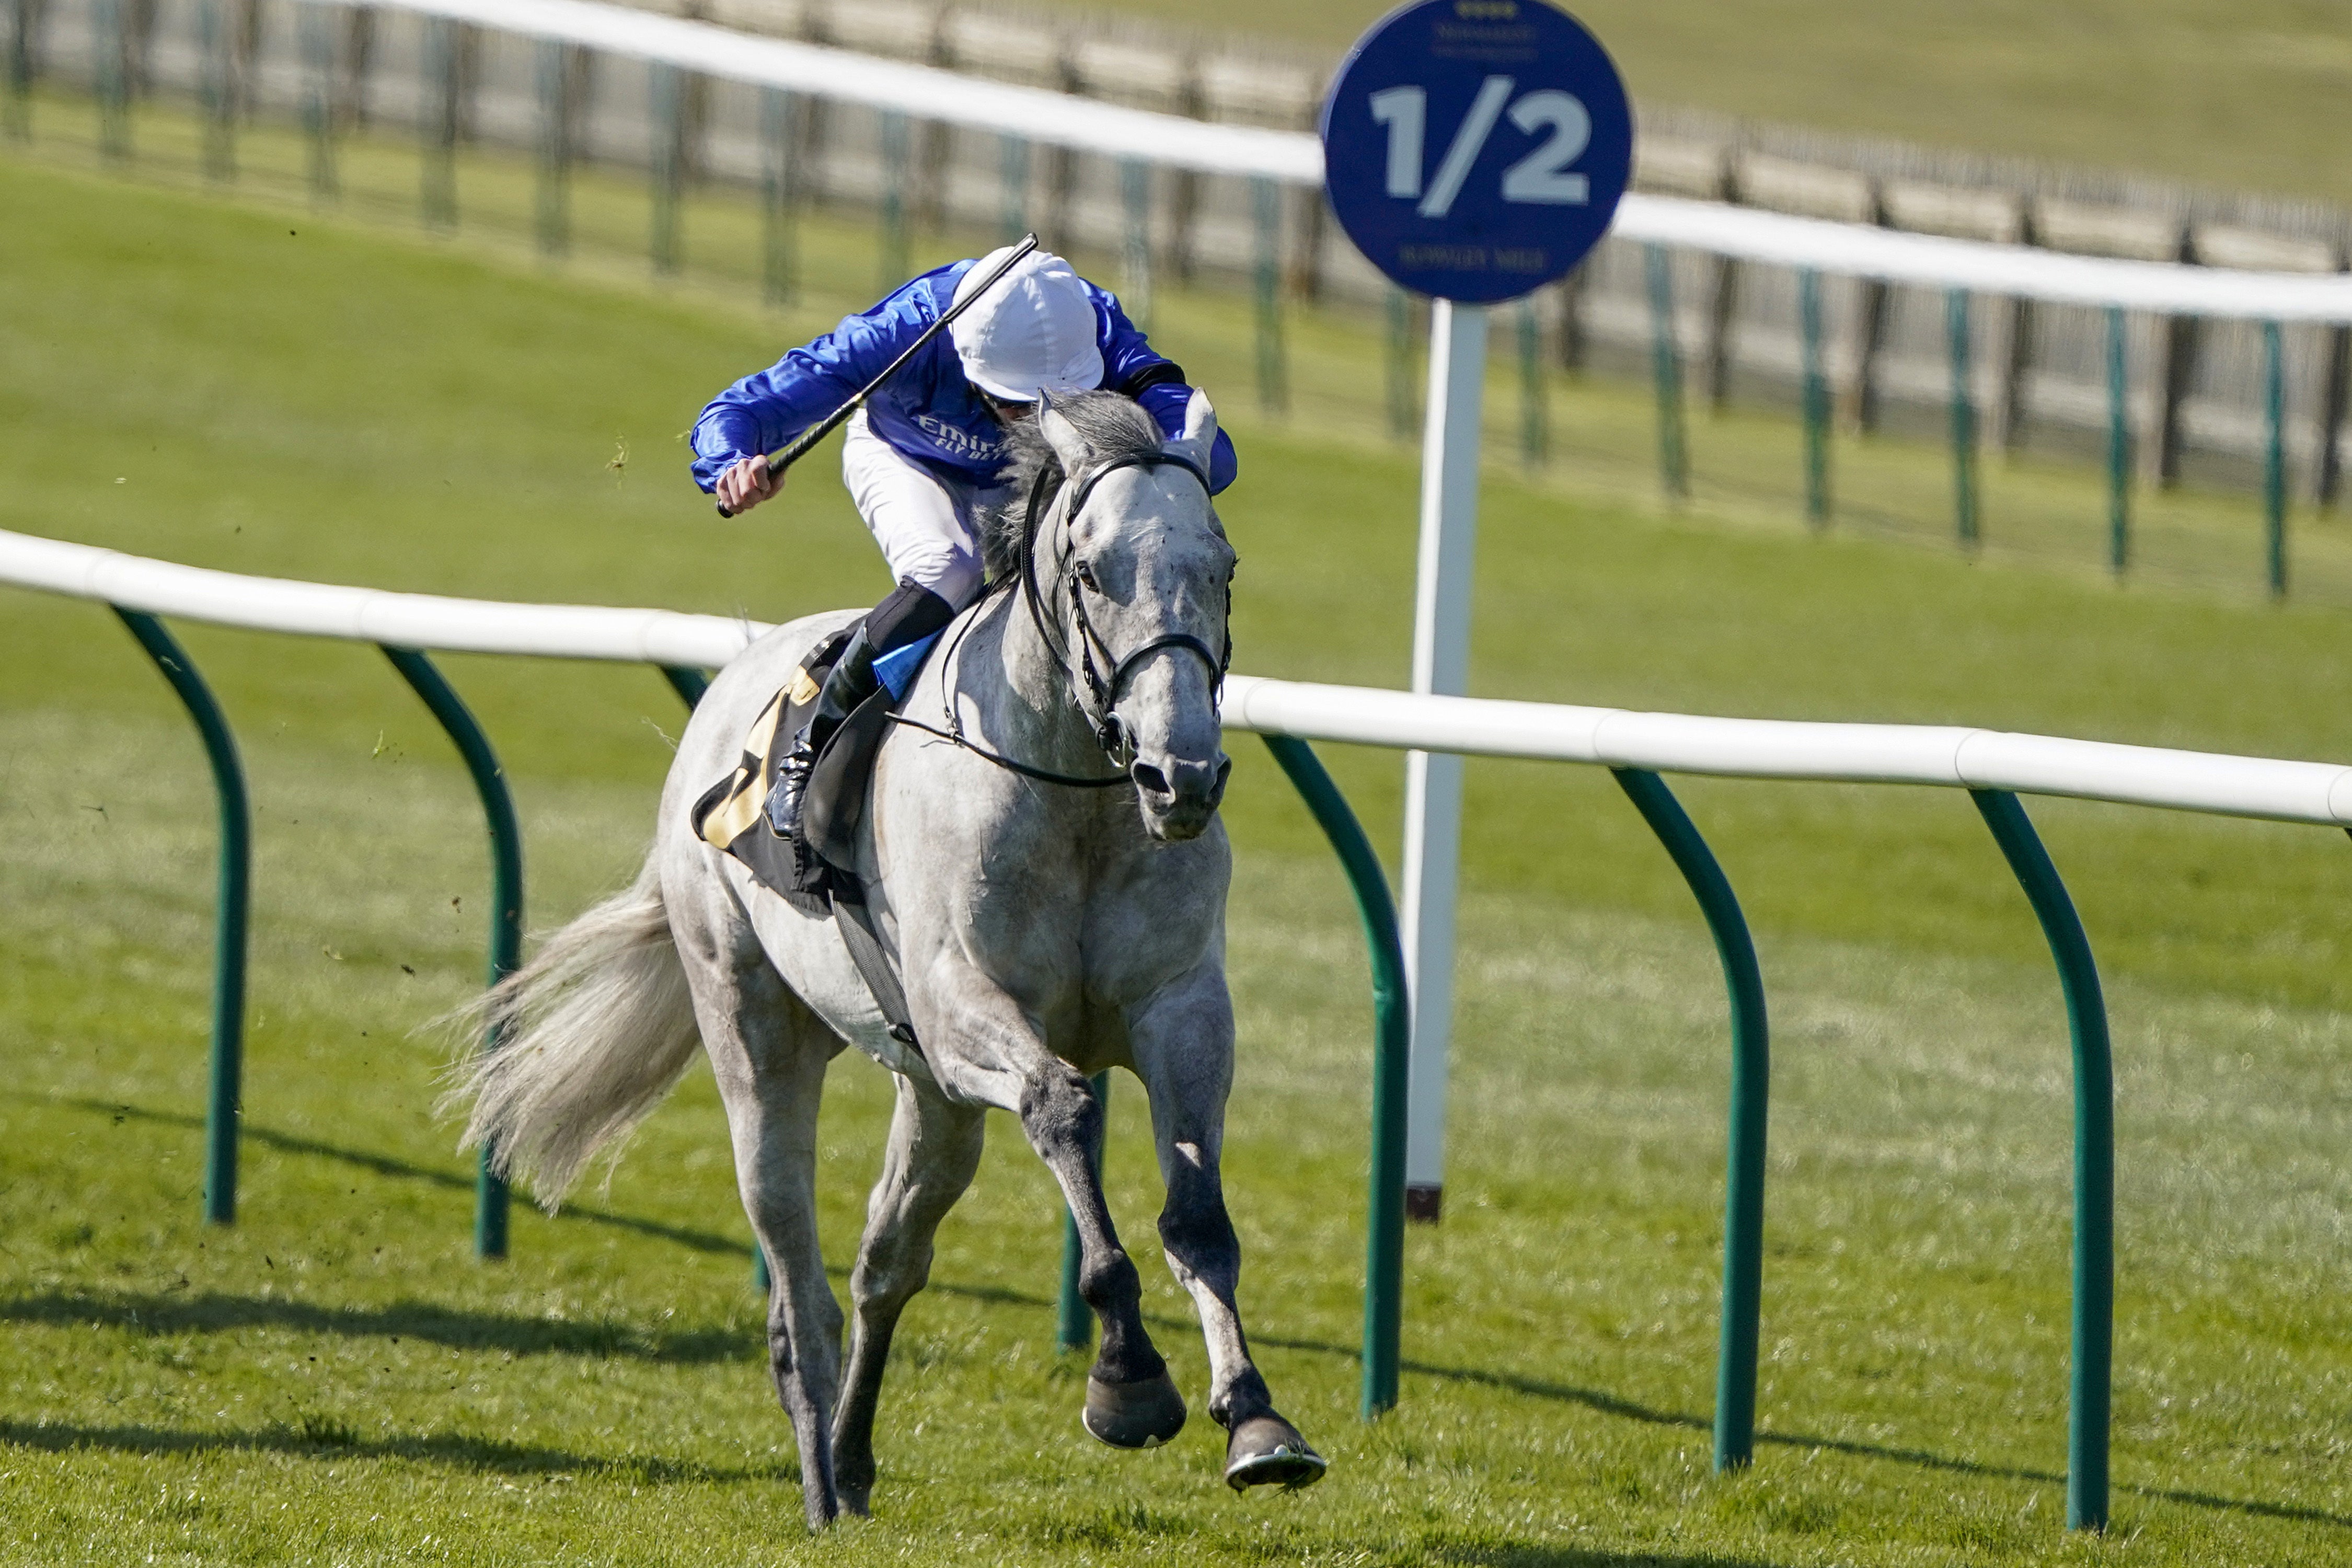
(598, 1026)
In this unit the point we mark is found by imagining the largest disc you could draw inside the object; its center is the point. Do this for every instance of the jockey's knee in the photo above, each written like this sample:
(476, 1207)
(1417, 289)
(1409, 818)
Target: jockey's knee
(950, 573)
(909, 614)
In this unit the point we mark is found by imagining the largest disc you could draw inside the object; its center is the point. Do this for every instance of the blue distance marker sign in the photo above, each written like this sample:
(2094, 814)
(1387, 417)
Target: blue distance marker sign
(1475, 150)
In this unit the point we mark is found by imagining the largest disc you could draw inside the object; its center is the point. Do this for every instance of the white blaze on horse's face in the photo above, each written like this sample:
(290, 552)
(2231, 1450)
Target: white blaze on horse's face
(1150, 559)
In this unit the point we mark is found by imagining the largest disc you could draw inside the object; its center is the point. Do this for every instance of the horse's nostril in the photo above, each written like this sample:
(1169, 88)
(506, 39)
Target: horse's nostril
(1150, 780)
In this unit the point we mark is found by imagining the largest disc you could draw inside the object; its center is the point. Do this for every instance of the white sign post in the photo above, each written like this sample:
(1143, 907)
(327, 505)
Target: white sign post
(1475, 151)
(1433, 781)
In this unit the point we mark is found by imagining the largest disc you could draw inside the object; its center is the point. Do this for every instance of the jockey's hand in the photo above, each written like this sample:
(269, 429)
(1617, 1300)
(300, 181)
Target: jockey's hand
(746, 483)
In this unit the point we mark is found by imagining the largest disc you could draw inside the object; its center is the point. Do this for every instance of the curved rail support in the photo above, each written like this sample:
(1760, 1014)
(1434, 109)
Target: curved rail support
(2090, 1387)
(1392, 1025)
(491, 1197)
(226, 1108)
(688, 682)
(1751, 1084)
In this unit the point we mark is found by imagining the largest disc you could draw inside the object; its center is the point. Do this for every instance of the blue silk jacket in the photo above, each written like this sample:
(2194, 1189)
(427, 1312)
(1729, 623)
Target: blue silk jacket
(928, 412)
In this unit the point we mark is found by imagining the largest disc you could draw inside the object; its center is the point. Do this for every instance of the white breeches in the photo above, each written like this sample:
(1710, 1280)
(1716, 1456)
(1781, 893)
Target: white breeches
(928, 530)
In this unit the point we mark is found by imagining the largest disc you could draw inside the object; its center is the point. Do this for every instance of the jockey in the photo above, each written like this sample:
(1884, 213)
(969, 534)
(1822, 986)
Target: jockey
(926, 458)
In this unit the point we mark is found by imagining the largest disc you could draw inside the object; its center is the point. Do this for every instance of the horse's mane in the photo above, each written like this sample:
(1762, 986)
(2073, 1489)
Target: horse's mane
(1111, 424)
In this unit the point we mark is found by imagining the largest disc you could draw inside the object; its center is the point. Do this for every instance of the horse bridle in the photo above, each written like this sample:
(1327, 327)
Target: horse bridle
(1108, 732)
(1099, 690)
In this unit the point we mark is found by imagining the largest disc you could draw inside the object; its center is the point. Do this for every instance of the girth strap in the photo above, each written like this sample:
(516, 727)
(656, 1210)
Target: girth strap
(855, 917)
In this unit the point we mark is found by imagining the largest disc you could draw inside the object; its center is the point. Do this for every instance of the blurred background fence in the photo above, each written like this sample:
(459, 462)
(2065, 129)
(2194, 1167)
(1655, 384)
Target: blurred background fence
(2127, 403)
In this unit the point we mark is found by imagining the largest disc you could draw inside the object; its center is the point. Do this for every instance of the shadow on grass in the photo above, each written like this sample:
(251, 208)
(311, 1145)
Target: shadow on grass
(385, 1165)
(161, 1314)
(1122, 1531)
(1606, 1403)
(426, 1321)
(1519, 1554)
(319, 1439)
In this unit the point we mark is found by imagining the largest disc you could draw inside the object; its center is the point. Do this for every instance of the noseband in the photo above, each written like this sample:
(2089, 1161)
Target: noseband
(1101, 691)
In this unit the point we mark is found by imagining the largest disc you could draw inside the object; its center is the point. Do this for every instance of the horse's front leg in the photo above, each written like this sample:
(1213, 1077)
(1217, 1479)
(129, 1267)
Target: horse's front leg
(1183, 1040)
(991, 1051)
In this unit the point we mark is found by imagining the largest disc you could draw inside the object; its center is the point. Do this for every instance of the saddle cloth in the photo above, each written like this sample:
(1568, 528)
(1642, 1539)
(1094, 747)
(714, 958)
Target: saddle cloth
(732, 814)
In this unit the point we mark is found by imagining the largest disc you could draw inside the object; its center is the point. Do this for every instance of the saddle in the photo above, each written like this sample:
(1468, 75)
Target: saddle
(817, 872)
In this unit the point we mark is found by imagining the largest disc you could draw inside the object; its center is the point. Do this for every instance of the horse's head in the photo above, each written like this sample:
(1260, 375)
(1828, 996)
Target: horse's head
(1139, 578)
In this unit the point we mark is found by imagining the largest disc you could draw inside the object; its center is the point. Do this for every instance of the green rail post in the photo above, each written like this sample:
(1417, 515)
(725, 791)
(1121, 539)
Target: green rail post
(226, 1108)
(110, 42)
(2090, 1383)
(1273, 373)
(1013, 174)
(1392, 1026)
(1073, 1323)
(1751, 1088)
(315, 35)
(667, 87)
(2118, 446)
(1666, 376)
(1964, 418)
(1816, 397)
(436, 119)
(506, 893)
(891, 259)
(20, 68)
(2275, 456)
(780, 197)
(688, 682)
(1134, 198)
(1404, 406)
(553, 196)
(1535, 410)
(218, 88)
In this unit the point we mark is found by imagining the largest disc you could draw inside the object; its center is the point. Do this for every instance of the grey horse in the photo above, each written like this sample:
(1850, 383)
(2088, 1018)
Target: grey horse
(1045, 932)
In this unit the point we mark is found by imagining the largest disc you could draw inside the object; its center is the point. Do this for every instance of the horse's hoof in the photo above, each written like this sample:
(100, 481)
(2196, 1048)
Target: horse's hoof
(1266, 1450)
(1139, 1414)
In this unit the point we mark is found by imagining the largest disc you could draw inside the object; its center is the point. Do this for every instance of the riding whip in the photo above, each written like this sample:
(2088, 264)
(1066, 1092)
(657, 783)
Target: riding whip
(780, 461)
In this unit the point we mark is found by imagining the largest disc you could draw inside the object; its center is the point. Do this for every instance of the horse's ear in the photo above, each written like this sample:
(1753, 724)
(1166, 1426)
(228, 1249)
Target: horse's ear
(1200, 436)
(1061, 434)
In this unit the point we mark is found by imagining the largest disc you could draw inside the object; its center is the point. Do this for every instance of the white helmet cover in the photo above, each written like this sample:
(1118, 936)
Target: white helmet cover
(1034, 331)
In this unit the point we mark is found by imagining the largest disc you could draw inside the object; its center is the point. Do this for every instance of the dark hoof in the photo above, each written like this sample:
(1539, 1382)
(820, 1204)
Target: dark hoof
(1266, 1450)
(1139, 1414)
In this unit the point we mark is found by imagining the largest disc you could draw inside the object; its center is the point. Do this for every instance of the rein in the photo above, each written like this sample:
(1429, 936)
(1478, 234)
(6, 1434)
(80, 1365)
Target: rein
(1108, 732)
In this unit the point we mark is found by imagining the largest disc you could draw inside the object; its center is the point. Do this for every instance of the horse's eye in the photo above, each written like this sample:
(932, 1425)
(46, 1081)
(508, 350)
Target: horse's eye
(1085, 572)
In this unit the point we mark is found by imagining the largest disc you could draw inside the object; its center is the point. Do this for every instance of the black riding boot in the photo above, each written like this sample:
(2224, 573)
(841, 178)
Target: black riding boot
(851, 682)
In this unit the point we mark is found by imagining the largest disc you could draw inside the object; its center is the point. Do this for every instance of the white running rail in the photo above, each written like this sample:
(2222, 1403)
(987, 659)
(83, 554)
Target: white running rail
(1664, 742)
(1293, 157)
(425, 621)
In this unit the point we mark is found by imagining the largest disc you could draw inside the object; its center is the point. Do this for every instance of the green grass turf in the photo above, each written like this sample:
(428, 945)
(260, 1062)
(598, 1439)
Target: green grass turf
(2237, 94)
(333, 1380)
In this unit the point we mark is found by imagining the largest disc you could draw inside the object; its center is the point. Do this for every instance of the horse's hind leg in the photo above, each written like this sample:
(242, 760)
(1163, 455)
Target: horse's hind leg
(933, 1151)
(774, 1131)
(769, 1053)
(1182, 1044)
(772, 1090)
